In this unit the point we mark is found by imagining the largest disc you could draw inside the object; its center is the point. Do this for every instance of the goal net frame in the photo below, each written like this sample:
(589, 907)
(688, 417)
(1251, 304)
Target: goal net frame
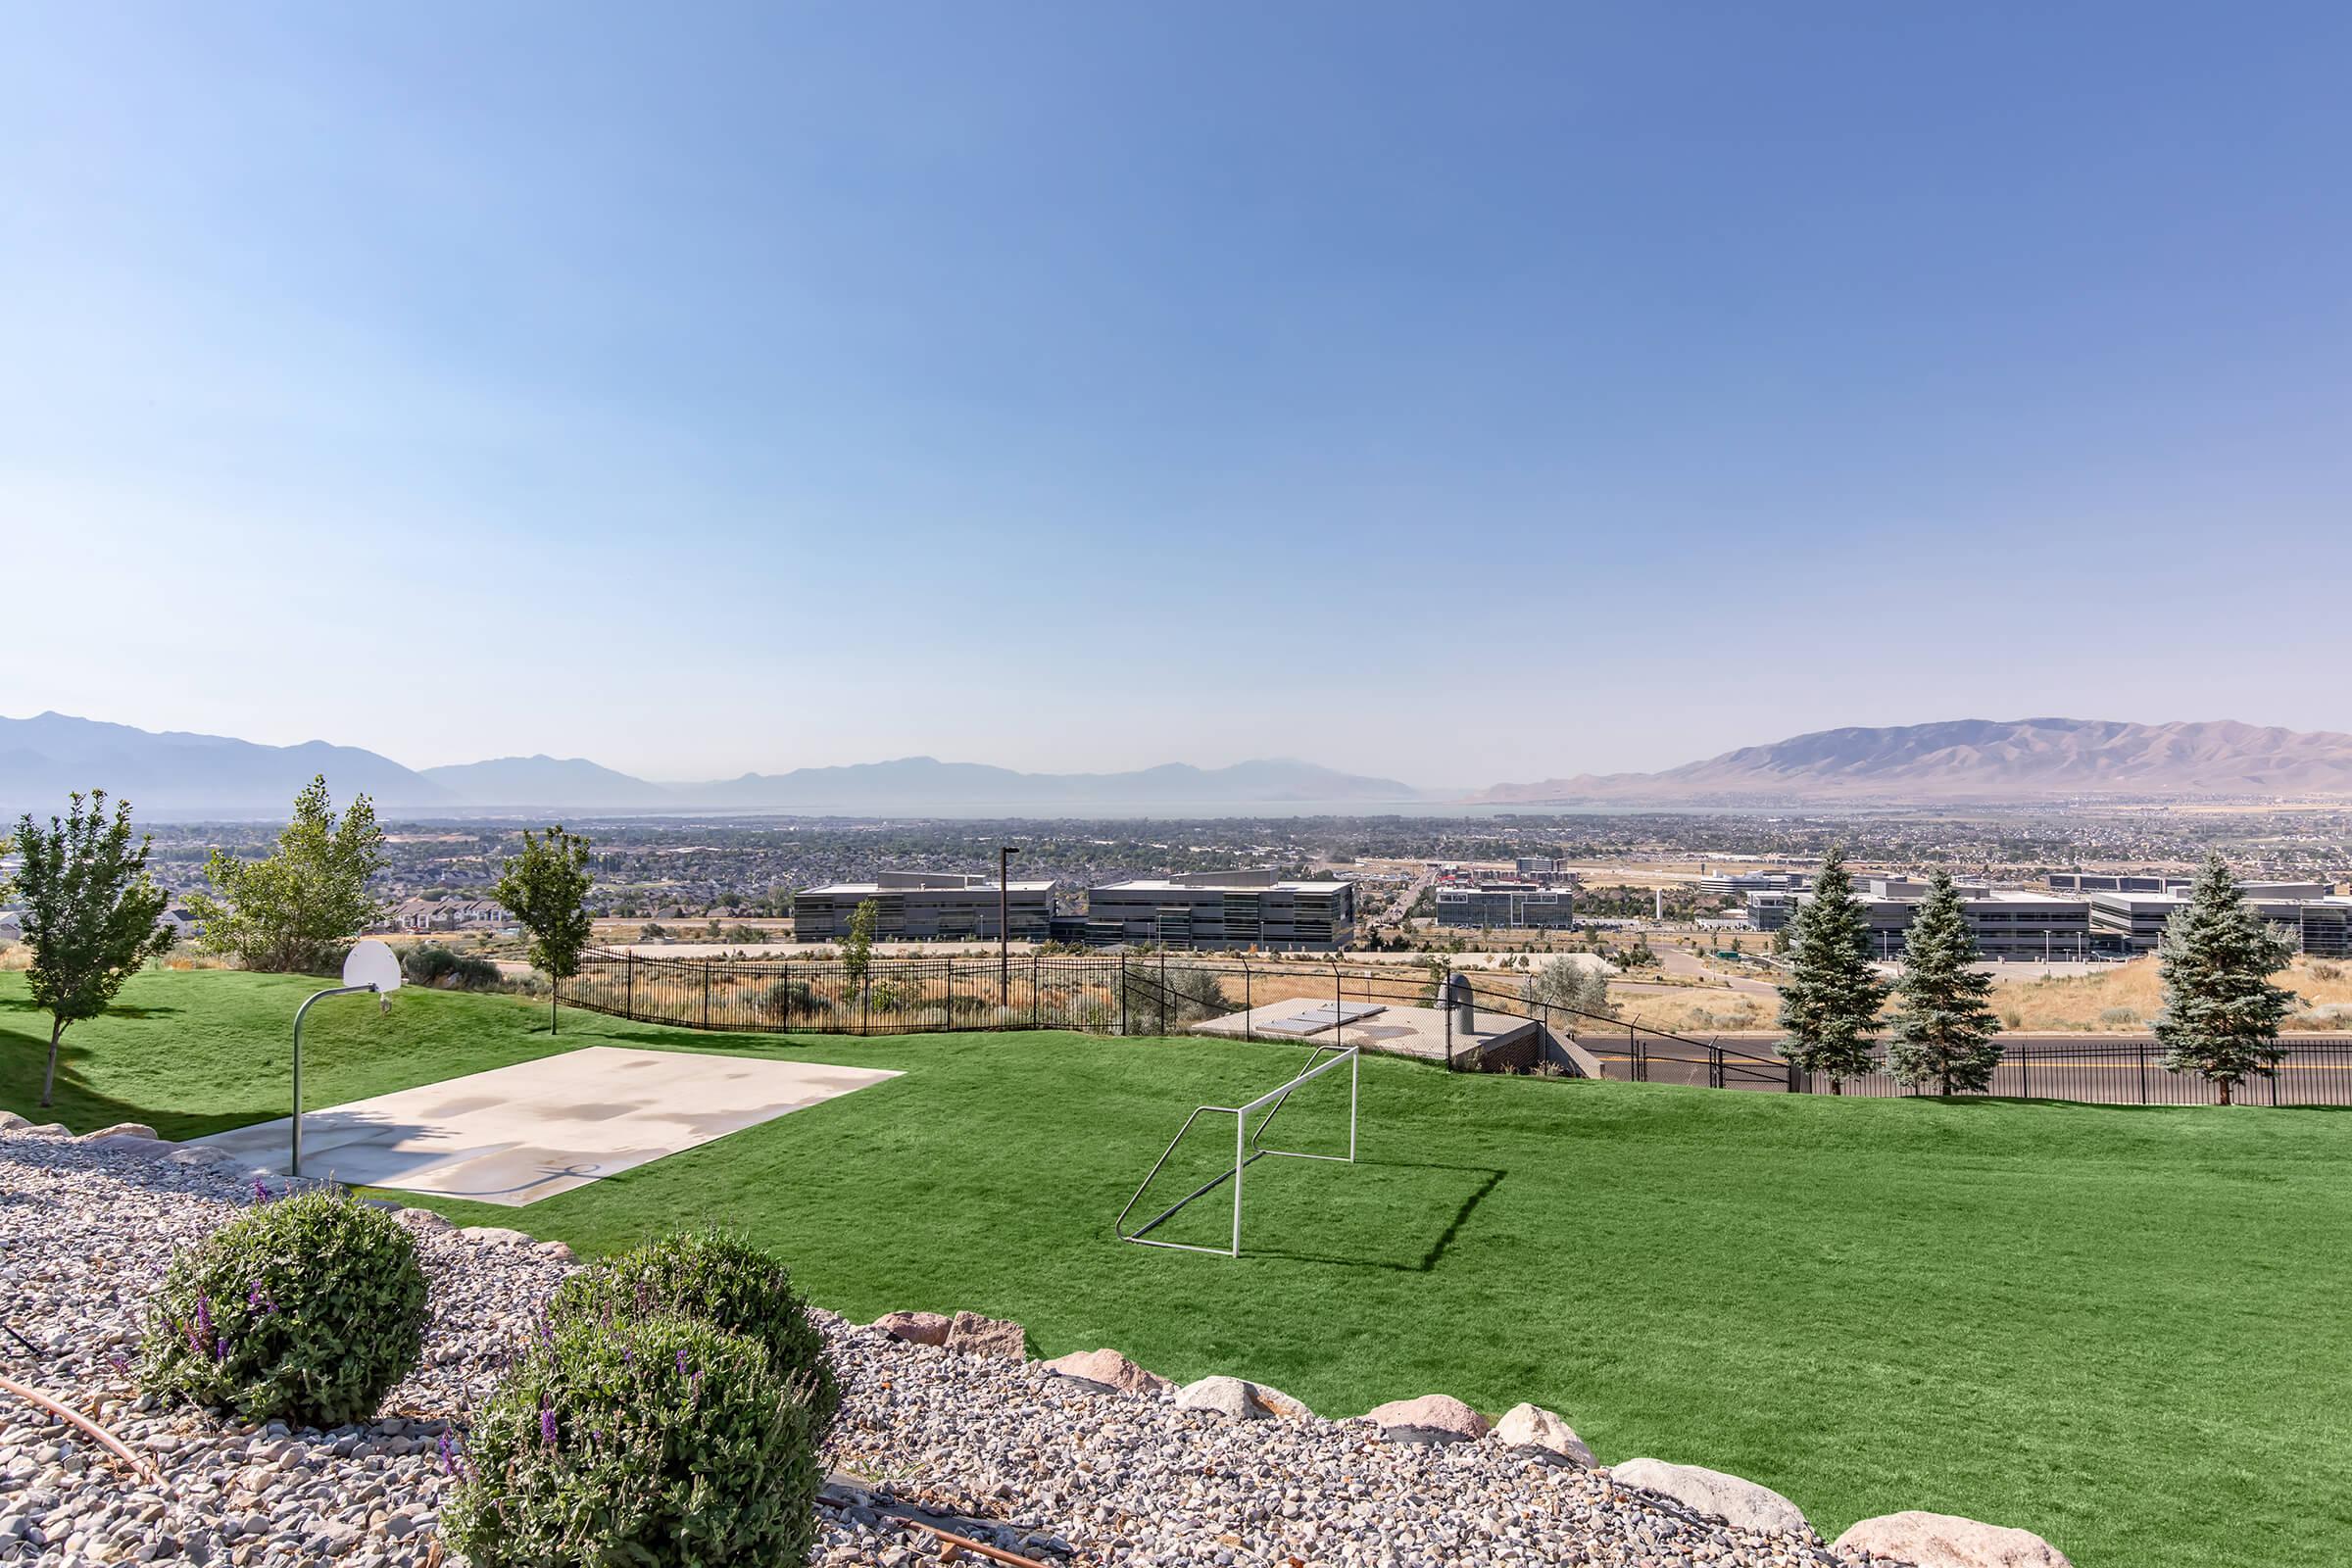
(1248, 1147)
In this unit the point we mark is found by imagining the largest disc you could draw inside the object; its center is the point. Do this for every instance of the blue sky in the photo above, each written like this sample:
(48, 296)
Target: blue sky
(710, 388)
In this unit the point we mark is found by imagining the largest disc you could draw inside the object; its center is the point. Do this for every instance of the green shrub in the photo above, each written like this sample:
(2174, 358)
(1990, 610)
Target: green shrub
(437, 967)
(721, 1280)
(654, 1441)
(306, 1309)
(786, 999)
(2118, 1017)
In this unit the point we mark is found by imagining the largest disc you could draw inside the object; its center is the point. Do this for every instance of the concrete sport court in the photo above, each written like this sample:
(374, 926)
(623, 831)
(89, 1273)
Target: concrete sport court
(514, 1135)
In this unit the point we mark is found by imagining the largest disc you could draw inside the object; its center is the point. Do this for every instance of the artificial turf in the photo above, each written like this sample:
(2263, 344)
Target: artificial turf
(2121, 1327)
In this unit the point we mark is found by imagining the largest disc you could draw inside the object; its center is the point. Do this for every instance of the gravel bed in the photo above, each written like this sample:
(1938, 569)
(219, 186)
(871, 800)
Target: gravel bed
(993, 1449)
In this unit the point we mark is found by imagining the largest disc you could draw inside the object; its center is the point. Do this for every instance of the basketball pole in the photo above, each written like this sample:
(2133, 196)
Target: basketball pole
(295, 1165)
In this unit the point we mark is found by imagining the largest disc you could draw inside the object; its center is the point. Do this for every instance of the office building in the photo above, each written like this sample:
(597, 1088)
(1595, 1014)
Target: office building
(1506, 907)
(925, 907)
(1204, 909)
(2008, 927)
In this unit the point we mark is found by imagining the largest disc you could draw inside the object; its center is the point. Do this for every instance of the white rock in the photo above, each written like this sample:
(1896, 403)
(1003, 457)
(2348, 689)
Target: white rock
(1431, 1418)
(1528, 1425)
(1240, 1399)
(496, 1236)
(1947, 1540)
(1743, 1504)
(10, 1122)
(1111, 1371)
(123, 1130)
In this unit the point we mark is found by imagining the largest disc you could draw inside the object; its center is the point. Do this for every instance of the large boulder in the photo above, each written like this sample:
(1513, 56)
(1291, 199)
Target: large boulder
(1540, 1431)
(496, 1236)
(1741, 1504)
(1432, 1418)
(123, 1130)
(1242, 1401)
(1947, 1540)
(975, 1335)
(1109, 1372)
(10, 1122)
(423, 1221)
(915, 1328)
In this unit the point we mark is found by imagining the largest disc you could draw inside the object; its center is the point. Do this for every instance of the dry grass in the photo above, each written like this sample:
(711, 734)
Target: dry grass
(2099, 1001)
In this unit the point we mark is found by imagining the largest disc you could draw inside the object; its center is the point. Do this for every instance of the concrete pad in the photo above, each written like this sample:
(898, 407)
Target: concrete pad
(1393, 1030)
(514, 1135)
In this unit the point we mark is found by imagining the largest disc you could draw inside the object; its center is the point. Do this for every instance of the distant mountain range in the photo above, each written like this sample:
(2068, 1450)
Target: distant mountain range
(184, 775)
(187, 775)
(1982, 759)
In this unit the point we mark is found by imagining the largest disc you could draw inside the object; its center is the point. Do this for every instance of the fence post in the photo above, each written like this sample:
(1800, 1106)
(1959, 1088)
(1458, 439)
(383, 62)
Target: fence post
(2144, 1072)
(1247, 1004)
(2025, 1073)
(1122, 994)
(1033, 998)
(630, 969)
(1163, 991)
(706, 993)
(1714, 1065)
(949, 1004)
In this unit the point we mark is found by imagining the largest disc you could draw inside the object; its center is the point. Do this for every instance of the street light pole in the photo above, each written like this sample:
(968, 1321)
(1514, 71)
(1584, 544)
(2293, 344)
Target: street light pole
(1004, 855)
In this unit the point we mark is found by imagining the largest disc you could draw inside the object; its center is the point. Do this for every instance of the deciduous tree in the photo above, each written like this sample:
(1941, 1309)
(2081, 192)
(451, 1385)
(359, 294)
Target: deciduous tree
(1944, 1032)
(296, 911)
(90, 913)
(857, 949)
(1832, 995)
(2221, 1012)
(546, 888)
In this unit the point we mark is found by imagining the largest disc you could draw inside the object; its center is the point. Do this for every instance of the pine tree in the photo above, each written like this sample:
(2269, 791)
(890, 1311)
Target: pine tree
(90, 913)
(2221, 1012)
(1832, 995)
(546, 888)
(1944, 1032)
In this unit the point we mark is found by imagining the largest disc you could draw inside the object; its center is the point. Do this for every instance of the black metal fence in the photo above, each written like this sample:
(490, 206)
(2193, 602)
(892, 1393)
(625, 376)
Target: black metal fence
(1132, 994)
(2313, 1070)
(1168, 992)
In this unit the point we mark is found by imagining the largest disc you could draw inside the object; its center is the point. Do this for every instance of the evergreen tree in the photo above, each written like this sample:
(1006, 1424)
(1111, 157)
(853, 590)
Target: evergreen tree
(296, 911)
(2221, 1012)
(546, 888)
(90, 913)
(1832, 995)
(1944, 1032)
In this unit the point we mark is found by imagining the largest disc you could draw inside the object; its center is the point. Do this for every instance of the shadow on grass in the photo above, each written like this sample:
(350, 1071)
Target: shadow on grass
(1488, 1179)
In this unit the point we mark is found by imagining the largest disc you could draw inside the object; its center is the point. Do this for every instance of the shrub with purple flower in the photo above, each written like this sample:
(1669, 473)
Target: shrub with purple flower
(586, 1453)
(307, 1309)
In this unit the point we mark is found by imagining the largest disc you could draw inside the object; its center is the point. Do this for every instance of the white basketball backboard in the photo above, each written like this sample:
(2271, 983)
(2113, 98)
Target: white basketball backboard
(371, 963)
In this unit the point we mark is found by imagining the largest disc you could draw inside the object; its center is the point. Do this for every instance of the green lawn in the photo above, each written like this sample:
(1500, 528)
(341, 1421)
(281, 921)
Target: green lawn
(2123, 1327)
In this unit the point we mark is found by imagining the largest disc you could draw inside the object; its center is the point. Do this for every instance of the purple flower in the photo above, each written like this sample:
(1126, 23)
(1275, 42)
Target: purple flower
(628, 1357)
(256, 1302)
(681, 1363)
(260, 1191)
(200, 1333)
(547, 1422)
(221, 1349)
(449, 1463)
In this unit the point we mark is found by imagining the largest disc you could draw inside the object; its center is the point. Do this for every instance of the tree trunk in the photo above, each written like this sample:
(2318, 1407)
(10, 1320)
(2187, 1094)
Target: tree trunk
(57, 1027)
(550, 1006)
(2223, 1081)
(1837, 1086)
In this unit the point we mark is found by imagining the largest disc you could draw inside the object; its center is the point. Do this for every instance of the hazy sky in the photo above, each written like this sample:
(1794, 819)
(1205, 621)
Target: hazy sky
(1461, 393)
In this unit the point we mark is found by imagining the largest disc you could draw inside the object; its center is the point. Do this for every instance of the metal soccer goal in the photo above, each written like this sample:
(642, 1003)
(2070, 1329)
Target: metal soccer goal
(1248, 1147)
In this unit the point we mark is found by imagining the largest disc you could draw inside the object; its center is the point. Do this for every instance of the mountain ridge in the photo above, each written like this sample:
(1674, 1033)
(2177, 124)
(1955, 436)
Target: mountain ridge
(181, 773)
(1986, 759)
